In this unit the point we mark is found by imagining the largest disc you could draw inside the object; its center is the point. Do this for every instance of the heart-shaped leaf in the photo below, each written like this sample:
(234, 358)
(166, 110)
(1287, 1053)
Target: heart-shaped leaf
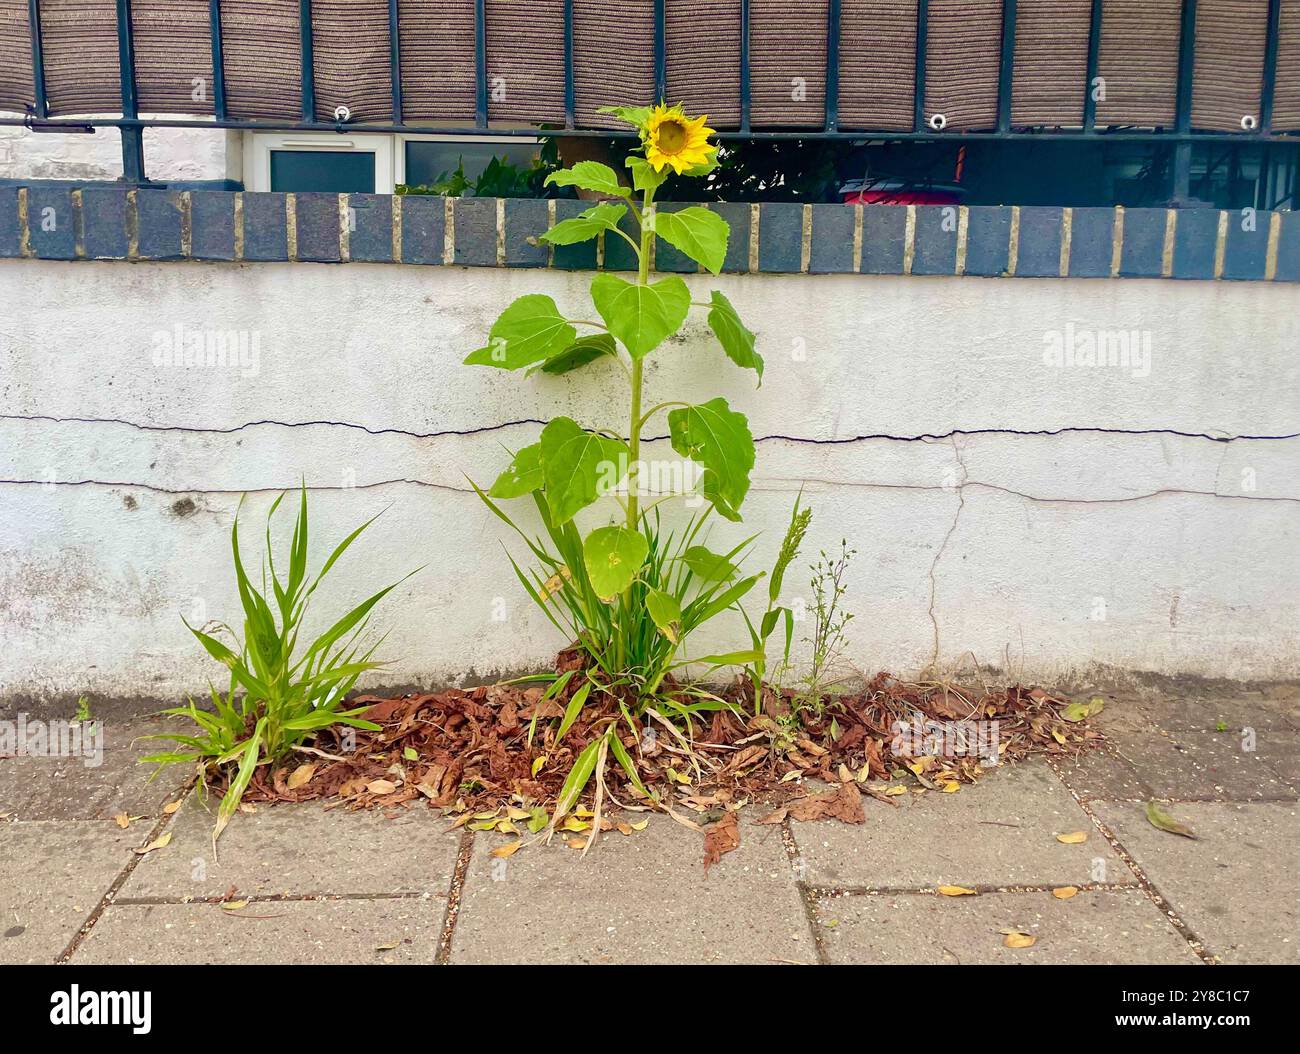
(589, 175)
(529, 330)
(699, 233)
(641, 316)
(613, 556)
(577, 467)
(523, 476)
(736, 340)
(719, 439)
(586, 225)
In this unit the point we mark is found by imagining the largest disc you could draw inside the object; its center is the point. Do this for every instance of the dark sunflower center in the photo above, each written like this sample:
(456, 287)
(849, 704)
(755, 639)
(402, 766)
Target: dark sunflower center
(672, 137)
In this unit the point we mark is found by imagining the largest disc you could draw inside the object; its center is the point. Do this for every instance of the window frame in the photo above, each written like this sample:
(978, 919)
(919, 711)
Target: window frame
(400, 140)
(260, 145)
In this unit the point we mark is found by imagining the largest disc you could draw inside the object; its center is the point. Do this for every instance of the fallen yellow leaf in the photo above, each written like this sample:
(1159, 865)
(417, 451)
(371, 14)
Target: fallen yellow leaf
(502, 851)
(893, 792)
(951, 787)
(1073, 838)
(956, 891)
(572, 823)
(640, 825)
(171, 807)
(1016, 939)
(574, 843)
(160, 842)
(625, 828)
(1065, 892)
(122, 820)
(381, 786)
(538, 762)
(234, 905)
(303, 774)
(516, 813)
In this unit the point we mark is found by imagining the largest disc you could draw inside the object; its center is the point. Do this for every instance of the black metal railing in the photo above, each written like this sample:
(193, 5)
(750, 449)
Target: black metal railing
(1181, 133)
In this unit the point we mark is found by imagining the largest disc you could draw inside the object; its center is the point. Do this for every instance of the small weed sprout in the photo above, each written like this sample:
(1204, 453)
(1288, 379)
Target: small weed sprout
(830, 619)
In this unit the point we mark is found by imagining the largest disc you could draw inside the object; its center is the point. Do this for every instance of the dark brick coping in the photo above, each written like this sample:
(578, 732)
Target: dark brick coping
(114, 223)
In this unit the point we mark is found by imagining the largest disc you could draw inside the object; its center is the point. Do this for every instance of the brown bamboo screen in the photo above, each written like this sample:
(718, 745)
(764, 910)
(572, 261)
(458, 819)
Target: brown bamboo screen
(1229, 70)
(525, 56)
(81, 58)
(877, 64)
(438, 70)
(787, 54)
(17, 90)
(1048, 80)
(263, 58)
(703, 58)
(962, 62)
(614, 60)
(173, 56)
(1286, 94)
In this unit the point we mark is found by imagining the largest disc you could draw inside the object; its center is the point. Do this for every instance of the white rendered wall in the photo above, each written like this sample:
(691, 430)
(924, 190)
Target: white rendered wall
(1122, 543)
(171, 154)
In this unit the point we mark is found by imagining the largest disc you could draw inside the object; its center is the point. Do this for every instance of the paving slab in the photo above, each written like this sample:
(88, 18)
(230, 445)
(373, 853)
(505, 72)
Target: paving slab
(1102, 774)
(1280, 751)
(298, 850)
(70, 788)
(1235, 885)
(1183, 713)
(1092, 927)
(999, 832)
(291, 932)
(637, 899)
(1201, 765)
(52, 876)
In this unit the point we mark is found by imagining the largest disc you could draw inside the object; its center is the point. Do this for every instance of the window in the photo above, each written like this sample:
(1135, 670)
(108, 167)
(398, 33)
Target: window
(370, 163)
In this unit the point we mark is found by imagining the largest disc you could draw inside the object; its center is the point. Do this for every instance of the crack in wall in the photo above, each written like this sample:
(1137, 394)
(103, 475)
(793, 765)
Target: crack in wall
(374, 485)
(922, 437)
(943, 546)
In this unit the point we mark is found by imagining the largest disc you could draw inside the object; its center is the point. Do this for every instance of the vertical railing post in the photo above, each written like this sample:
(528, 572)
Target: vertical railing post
(1270, 68)
(395, 59)
(38, 59)
(745, 93)
(1094, 58)
(218, 61)
(308, 62)
(480, 64)
(1182, 174)
(918, 82)
(569, 95)
(1007, 64)
(661, 52)
(832, 108)
(132, 135)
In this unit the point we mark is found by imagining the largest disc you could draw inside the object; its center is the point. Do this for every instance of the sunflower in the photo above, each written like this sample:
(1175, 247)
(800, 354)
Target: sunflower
(674, 140)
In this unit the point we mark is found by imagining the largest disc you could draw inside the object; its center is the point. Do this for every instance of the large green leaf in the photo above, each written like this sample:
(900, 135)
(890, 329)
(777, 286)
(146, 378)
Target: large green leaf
(529, 330)
(613, 556)
(522, 477)
(636, 116)
(589, 175)
(699, 233)
(586, 225)
(666, 613)
(719, 439)
(736, 340)
(579, 353)
(578, 467)
(641, 316)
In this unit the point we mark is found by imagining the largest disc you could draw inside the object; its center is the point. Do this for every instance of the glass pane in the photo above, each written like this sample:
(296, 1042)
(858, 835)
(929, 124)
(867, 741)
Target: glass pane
(331, 171)
(427, 162)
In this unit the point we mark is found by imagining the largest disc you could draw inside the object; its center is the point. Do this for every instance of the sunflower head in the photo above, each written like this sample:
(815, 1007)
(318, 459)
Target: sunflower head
(673, 140)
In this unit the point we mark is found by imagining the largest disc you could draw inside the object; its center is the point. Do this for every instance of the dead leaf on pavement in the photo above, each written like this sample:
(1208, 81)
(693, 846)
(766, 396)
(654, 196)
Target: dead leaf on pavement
(1065, 892)
(1073, 838)
(171, 807)
(509, 849)
(160, 842)
(956, 891)
(1017, 939)
(1161, 820)
(233, 905)
(722, 837)
(842, 804)
(381, 786)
